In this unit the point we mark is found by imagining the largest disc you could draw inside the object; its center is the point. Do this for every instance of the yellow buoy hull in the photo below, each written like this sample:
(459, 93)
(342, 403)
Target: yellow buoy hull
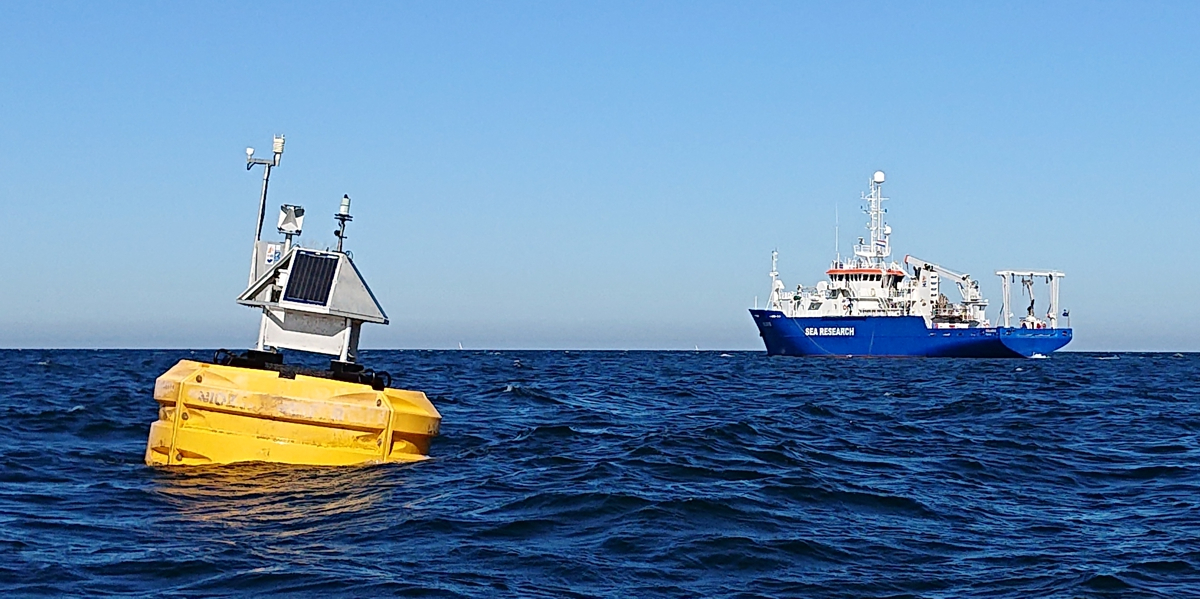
(213, 414)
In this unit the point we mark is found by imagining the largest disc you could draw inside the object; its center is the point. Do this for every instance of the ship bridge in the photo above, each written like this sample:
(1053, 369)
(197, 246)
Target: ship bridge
(871, 305)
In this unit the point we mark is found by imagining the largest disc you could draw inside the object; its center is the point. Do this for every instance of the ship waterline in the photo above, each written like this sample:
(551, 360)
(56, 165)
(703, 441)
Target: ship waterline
(874, 306)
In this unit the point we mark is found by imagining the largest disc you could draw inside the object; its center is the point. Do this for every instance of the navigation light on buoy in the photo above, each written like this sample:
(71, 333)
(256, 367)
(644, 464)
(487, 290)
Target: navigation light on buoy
(250, 406)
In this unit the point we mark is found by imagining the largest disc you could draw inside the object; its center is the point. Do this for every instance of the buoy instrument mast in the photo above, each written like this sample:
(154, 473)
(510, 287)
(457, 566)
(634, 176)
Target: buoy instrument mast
(250, 406)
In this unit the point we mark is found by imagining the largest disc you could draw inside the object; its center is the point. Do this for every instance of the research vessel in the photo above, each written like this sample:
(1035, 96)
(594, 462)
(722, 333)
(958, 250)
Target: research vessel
(871, 305)
(251, 406)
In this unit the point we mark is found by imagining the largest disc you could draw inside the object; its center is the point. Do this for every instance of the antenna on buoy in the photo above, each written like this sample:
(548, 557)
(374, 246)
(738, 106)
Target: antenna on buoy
(250, 406)
(268, 164)
(342, 217)
(312, 300)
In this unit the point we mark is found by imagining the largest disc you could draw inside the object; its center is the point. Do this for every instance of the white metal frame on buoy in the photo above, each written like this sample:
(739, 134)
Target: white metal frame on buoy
(329, 318)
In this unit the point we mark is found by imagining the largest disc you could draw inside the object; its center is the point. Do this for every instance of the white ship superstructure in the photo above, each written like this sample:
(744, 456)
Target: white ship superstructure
(873, 305)
(870, 285)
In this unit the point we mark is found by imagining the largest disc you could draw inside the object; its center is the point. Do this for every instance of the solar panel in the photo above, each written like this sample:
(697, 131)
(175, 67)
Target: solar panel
(311, 278)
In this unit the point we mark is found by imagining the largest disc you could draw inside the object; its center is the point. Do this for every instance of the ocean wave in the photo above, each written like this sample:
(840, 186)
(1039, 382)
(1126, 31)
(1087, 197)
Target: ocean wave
(645, 474)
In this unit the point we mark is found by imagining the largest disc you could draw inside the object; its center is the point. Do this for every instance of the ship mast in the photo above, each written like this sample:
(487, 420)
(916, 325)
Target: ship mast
(878, 247)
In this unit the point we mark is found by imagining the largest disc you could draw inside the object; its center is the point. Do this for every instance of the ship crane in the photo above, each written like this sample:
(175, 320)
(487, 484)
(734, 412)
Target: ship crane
(868, 305)
(966, 285)
(972, 297)
(1027, 278)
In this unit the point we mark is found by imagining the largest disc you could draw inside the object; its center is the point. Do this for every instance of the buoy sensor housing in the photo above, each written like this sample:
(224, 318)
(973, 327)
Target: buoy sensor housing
(250, 406)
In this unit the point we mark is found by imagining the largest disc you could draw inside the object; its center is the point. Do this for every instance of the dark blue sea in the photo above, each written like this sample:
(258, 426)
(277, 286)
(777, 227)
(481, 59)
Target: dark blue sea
(633, 474)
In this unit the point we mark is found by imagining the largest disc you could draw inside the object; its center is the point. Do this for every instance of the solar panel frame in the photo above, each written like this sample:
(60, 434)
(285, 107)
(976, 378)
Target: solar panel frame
(311, 278)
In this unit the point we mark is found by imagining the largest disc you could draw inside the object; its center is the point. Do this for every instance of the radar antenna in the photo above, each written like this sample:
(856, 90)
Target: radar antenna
(879, 247)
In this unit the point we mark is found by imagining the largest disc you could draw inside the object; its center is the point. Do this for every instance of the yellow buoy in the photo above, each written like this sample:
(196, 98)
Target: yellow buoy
(251, 407)
(213, 414)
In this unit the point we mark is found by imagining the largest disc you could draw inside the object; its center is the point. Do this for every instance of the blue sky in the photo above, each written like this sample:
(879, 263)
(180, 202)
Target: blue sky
(591, 175)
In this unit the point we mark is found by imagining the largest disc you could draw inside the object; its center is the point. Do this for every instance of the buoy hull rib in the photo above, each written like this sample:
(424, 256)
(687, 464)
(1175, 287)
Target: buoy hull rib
(216, 414)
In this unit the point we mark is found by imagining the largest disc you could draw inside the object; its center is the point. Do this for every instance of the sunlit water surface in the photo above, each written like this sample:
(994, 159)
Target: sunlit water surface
(634, 474)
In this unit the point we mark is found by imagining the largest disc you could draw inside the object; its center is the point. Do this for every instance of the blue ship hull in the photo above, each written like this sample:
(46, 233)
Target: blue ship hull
(898, 336)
